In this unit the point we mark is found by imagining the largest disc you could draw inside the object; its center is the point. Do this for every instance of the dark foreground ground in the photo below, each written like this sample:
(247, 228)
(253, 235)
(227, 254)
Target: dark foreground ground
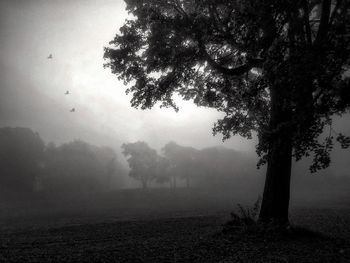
(168, 235)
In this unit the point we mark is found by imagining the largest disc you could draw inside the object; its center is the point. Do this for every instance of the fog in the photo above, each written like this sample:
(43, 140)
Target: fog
(75, 32)
(33, 95)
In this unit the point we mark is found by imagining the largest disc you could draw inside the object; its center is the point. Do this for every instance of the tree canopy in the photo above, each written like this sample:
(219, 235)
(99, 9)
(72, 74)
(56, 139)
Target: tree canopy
(28, 165)
(277, 68)
(183, 160)
(143, 161)
(78, 167)
(227, 55)
(21, 155)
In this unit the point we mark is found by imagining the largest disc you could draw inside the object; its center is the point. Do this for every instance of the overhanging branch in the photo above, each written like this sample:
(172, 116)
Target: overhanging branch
(237, 71)
(324, 23)
(307, 22)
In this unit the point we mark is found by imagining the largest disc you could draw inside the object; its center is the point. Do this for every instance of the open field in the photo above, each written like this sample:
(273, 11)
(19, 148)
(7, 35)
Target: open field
(174, 229)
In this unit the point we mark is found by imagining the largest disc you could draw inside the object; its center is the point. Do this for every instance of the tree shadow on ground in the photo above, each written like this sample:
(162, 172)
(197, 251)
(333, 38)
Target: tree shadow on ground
(243, 239)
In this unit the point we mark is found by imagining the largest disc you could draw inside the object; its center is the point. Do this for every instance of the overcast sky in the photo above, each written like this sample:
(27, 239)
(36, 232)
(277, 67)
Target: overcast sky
(75, 32)
(32, 87)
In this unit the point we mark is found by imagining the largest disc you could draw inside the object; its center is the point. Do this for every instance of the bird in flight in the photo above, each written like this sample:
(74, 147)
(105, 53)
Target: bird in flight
(50, 56)
(67, 92)
(72, 110)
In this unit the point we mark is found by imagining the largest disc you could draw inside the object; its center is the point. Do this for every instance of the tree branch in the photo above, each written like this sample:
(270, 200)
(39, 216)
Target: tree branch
(335, 11)
(237, 71)
(323, 28)
(307, 22)
(177, 7)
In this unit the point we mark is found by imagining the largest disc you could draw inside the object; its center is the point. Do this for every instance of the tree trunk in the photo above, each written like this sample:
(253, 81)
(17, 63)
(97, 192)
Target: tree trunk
(275, 203)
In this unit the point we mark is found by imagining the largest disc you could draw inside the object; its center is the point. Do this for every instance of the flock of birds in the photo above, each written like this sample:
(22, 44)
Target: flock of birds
(67, 92)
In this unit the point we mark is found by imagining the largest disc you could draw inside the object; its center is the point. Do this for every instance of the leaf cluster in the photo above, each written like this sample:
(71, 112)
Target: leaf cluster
(231, 55)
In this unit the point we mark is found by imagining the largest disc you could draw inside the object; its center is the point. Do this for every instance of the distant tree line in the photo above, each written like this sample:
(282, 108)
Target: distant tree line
(177, 164)
(224, 170)
(28, 165)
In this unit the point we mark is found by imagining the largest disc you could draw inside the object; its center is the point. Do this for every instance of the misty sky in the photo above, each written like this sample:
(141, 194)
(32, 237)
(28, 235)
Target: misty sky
(32, 87)
(75, 32)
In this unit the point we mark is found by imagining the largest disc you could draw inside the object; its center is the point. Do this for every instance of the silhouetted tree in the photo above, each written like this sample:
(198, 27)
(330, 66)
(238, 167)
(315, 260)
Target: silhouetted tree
(182, 161)
(21, 156)
(273, 67)
(78, 167)
(163, 174)
(142, 160)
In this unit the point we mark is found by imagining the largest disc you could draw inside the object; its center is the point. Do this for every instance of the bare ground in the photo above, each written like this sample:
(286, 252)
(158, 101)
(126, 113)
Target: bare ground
(180, 233)
(182, 239)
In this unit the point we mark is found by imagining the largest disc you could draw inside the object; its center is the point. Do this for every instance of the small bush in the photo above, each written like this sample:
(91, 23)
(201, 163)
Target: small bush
(243, 218)
(244, 223)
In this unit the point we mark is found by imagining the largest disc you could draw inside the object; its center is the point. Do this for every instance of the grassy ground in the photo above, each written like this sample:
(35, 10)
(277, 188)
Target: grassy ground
(169, 235)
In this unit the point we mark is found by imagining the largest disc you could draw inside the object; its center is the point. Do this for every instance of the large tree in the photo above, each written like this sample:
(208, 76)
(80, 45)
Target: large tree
(273, 67)
(143, 161)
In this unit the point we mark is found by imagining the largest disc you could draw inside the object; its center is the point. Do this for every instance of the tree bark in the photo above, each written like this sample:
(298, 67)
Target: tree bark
(275, 203)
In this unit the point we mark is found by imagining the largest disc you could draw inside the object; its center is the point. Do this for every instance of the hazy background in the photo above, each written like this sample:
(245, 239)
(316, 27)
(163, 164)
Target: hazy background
(61, 201)
(75, 32)
(32, 86)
